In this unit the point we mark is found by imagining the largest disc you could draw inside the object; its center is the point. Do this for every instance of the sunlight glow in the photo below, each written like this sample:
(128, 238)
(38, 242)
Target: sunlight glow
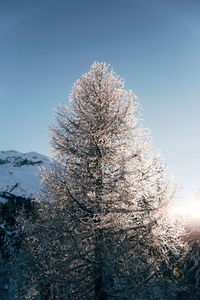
(190, 210)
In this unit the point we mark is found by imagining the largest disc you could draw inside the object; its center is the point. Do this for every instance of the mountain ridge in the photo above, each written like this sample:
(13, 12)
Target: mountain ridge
(20, 173)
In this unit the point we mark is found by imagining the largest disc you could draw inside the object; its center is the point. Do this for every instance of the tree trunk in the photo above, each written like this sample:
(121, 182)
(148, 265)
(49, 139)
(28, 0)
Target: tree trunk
(100, 293)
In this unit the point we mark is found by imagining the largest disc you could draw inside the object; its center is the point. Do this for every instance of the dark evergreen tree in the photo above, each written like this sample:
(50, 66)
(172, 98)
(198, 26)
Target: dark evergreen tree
(190, 279)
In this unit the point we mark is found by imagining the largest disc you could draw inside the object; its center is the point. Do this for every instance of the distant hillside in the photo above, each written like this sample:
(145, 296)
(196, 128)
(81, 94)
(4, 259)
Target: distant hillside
(19, 174)
(19, 184)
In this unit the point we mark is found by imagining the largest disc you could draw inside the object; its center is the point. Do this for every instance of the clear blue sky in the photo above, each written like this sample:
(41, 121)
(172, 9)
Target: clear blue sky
(45, 45)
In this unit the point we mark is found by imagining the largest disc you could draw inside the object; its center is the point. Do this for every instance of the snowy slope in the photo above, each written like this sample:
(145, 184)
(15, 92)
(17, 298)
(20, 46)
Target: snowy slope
(20, 174)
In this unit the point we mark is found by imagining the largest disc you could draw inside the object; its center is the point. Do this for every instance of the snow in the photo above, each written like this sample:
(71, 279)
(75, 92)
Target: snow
(20, 173)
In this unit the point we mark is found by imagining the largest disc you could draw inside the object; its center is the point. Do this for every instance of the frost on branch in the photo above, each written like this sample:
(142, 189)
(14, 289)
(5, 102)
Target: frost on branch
(106, 196)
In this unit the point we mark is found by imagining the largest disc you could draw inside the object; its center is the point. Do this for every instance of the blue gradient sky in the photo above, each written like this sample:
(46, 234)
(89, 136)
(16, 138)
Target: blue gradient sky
(154, 45)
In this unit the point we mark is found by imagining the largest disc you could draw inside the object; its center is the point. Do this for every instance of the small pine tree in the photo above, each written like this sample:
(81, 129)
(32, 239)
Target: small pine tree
(103, 232)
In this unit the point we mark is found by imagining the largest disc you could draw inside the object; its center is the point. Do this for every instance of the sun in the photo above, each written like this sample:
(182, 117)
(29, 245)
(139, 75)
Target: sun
(189, 210)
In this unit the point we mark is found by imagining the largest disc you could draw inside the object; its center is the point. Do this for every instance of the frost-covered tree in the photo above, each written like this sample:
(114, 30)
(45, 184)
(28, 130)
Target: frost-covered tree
(103, 232)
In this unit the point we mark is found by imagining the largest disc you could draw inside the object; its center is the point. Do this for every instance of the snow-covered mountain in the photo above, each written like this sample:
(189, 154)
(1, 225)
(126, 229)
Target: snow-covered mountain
(19, 184)
(20, 173)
